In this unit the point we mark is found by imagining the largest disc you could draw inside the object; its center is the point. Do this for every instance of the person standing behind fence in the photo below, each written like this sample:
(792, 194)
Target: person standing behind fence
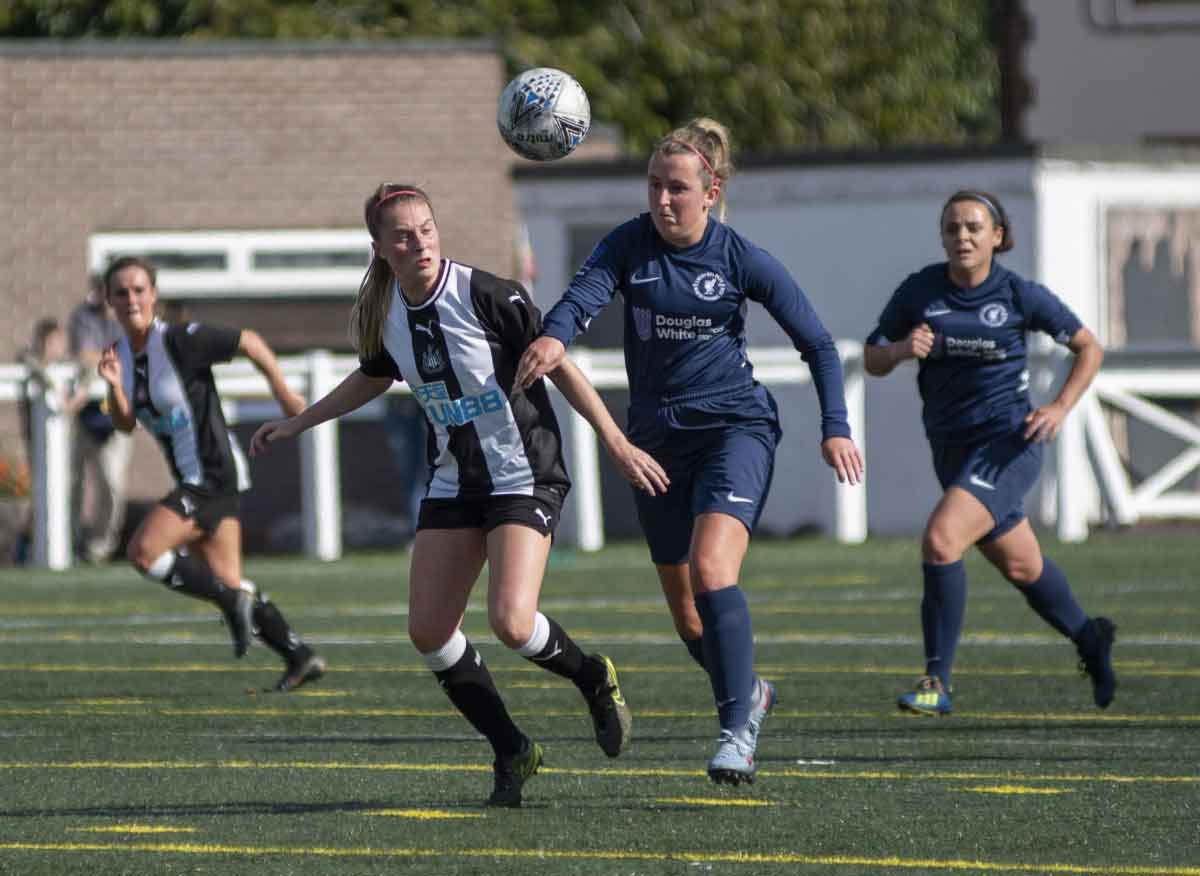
(686, 279)
(161, 375)
(97, 449)
(497, 477)
(964, 321)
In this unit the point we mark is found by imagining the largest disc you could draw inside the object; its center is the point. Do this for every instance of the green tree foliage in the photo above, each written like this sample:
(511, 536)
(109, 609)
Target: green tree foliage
(780, 73)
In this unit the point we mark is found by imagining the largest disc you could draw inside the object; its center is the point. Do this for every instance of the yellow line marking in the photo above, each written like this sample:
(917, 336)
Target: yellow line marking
(887, 864)
(1013, 789)
(610, 772)
(713, 801)
(133, 828)
(423, 814)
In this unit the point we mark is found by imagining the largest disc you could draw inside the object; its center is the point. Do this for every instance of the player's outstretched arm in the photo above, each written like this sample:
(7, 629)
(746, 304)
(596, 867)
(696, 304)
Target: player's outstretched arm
(841, 454)
(253, 347)
(636, 466)
(349, 395)
(539, 359)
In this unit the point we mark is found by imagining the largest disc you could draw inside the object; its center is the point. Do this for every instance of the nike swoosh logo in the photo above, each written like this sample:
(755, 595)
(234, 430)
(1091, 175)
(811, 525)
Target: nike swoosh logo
(932, 312)
(637, 281)
(732, 498)
(726, 702)
(980, 482)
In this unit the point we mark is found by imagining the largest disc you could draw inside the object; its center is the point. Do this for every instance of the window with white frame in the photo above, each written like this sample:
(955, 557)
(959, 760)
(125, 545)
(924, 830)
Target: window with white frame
(243, 264)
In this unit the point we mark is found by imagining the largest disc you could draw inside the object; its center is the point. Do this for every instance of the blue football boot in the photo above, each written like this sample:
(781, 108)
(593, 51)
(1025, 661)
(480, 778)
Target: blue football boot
(929, 697)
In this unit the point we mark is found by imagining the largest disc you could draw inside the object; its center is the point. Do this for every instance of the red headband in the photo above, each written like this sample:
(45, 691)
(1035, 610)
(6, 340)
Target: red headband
(397, 194)
(699, 155)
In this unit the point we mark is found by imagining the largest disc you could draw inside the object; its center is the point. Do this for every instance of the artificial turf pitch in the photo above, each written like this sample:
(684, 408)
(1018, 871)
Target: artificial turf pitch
(134, 743)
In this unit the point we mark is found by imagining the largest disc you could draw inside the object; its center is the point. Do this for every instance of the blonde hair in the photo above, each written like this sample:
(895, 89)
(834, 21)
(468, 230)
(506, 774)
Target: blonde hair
(709, 140)
(370, 311)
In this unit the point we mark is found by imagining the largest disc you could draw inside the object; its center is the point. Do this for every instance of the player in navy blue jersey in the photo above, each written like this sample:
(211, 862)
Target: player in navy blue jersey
(965, 321)
(161, 375)
(497, 480)
(686, 279)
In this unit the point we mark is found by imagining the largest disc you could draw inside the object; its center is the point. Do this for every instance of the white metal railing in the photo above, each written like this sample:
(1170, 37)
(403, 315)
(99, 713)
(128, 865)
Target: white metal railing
(315, 373)
(1128, 385)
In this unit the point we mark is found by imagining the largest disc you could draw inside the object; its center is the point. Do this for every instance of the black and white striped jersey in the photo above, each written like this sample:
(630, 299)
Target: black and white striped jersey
(459, 351)
(170, 385)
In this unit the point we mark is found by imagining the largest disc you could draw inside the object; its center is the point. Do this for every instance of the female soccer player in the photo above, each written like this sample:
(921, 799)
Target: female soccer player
(686, 278)
(192, 540)
(497, 478)
(965, 321)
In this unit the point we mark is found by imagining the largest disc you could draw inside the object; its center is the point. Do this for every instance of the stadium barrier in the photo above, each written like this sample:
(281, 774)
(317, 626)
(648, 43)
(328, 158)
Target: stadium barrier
(317, 372)
(1092, 447)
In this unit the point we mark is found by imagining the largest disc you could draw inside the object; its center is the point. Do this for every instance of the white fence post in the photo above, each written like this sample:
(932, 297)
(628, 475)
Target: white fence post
(850, 526)
(320, 476)
(585, 471)
(51, 462)
(1072, 471)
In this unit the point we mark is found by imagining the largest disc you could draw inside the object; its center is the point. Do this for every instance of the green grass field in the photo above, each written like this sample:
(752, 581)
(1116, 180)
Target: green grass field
(134, 743)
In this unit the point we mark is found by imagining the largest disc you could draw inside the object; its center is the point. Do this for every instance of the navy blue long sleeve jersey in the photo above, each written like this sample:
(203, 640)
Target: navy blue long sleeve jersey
(685, 316)
(975, 382)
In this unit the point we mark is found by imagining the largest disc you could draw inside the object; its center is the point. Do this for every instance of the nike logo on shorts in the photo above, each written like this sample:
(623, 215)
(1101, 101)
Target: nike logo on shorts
(980, 482)
(738, 499)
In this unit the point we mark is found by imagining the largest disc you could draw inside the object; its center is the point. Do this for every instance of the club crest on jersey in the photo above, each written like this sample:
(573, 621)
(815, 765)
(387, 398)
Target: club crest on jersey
(709, 286)
(994, 314)
(432, 361)
(643, 319)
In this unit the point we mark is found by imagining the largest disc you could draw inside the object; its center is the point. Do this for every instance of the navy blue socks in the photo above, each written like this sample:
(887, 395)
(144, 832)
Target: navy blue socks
(695, 647)
(728, 653)
(942, 611)
(1050, 596)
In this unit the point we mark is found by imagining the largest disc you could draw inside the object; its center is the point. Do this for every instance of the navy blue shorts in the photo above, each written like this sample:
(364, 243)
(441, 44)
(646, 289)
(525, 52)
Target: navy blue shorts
(726, 469)
(997, 472)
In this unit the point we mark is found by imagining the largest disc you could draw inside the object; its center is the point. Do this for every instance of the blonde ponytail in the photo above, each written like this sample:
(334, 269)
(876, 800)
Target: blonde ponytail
(709, 140)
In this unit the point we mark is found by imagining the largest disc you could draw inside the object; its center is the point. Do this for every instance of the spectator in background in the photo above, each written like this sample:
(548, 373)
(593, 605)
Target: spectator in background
(97, 447)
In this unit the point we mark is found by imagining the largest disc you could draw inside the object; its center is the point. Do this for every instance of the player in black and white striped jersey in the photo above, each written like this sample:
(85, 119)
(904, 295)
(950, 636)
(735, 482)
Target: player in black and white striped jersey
(161, 375)
(497, 479)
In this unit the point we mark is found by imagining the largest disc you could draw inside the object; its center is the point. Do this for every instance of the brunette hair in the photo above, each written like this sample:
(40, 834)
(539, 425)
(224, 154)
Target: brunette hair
(995, 209)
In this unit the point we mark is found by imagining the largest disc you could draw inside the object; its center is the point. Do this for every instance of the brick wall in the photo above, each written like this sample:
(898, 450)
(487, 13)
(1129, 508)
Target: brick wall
(179, 136)
(102, 136)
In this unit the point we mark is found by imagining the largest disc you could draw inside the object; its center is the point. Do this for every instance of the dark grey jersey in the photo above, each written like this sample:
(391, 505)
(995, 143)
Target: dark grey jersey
(458, 351)
(170, 385)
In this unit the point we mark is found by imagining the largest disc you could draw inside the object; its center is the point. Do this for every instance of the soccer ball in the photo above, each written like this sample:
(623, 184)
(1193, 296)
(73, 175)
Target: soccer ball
(543, 114)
